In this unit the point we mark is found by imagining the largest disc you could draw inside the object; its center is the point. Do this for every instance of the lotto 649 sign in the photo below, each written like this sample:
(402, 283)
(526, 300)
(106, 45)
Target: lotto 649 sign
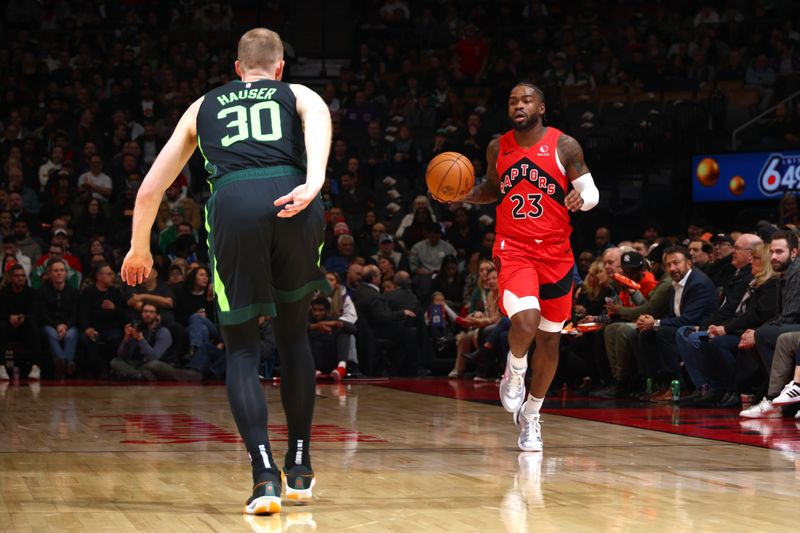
(745, 176)
(780, 173)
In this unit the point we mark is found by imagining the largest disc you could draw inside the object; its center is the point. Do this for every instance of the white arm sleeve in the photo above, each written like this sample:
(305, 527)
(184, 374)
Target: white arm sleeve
(588, 191)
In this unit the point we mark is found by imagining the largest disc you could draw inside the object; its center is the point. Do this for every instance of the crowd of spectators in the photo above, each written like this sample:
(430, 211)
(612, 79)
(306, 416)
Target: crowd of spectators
(718, 316)
(90, 94)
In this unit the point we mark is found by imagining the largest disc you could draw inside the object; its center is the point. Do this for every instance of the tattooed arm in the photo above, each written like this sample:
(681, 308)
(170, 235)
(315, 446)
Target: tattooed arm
(584, 195)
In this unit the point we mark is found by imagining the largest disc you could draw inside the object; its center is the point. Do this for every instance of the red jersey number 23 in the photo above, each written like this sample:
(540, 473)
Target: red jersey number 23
(528, 206)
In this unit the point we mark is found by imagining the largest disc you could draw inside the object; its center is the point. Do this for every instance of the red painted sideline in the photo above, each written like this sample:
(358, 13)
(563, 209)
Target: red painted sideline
(111, 383)
(181, 428)
(716, 424)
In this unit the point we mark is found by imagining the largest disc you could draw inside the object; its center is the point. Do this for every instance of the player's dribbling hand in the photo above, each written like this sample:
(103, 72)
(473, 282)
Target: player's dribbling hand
(447, 202)
(439, 199)
(136, 267)
(573, 201)
(295, 201)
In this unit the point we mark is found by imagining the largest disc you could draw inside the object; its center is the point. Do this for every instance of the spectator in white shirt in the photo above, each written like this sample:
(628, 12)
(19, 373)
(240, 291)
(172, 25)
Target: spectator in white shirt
(54, 163)
(10, 250)
(98, 181)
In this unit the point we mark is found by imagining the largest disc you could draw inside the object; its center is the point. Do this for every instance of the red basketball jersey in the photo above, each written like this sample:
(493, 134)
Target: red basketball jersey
(533, 185)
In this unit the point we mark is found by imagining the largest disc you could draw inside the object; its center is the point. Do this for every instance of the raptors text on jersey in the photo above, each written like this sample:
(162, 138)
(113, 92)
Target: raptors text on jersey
(533, 185)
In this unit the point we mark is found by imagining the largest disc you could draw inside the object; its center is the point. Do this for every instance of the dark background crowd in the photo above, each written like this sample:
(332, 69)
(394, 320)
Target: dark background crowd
(89, 92)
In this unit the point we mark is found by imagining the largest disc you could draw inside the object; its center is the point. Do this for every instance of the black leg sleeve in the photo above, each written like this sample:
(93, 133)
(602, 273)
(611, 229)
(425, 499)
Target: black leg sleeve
(245, 395)
(298, 384)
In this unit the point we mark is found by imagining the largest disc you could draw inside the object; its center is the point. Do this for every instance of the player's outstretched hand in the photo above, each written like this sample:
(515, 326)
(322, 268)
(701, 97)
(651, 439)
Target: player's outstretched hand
(136, 267)
(438, 199)
(573, 200)
(447, 202)
(295, 201)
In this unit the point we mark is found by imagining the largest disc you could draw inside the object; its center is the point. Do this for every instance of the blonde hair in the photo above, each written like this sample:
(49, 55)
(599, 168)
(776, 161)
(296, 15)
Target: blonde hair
(480, 264)
(767, 273)
(593, 291)
(260, 48)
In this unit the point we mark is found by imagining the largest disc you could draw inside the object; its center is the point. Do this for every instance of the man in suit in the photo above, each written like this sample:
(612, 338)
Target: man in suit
(374, 312)
(402, 297)
(692, 299)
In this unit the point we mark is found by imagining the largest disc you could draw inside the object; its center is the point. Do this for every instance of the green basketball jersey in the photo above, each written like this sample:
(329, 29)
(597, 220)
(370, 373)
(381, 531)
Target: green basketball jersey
(245, 125)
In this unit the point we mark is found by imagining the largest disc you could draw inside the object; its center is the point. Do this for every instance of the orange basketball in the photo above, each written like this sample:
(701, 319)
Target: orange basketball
(450, 176)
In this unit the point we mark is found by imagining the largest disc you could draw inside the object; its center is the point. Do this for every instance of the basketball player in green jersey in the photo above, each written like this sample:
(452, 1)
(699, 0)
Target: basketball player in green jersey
(266, 146)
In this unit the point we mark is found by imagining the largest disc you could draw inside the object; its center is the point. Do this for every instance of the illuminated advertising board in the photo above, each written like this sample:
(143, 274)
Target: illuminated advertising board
(745, 176)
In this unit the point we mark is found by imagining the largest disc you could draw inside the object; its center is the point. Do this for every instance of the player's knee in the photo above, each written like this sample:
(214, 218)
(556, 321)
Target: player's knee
(548, 339)
(526, 322)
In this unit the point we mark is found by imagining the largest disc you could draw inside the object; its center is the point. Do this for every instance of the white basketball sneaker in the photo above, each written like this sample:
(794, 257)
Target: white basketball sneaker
(3, 373)
(789, 394)
(530, 431)
(512, 387)
(763, 409)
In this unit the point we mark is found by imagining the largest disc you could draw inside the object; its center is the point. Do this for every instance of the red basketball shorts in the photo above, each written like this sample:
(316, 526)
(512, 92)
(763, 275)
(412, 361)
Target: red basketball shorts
(535, 276)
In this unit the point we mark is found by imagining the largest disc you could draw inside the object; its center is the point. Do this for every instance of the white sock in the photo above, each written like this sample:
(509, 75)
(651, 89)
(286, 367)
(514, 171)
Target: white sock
(518, 364)
(533, 405)
(343, 364)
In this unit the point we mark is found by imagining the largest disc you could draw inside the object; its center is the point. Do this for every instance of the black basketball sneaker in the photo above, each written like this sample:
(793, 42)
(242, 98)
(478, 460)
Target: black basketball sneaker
(298, 480)
(266, 498)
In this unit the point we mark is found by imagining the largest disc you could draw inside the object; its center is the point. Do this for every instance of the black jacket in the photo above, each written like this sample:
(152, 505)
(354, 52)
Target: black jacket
(22, 303)
(372, 307)
(722, 271)
(58, 307)
(732, 293)
(91, 313)
(760, 307)
(400, 299)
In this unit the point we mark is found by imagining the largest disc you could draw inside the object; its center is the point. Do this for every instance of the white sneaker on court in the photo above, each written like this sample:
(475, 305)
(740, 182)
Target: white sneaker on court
(35, 373)
(512, 387)
(763, 409)
(530, 431)
(4, 373)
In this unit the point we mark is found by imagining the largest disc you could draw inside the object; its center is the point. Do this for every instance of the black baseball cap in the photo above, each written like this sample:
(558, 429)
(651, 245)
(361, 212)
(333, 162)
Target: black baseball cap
(632, 260)
(720, 238)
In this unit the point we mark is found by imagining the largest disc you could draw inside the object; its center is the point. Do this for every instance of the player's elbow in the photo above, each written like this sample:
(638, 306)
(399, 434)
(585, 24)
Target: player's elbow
(148, 194)
(318, 116)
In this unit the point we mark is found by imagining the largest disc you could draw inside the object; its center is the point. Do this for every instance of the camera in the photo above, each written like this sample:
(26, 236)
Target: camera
(139, 325)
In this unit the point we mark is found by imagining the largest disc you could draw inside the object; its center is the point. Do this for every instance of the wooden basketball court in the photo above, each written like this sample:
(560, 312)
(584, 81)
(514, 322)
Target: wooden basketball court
(168, 458)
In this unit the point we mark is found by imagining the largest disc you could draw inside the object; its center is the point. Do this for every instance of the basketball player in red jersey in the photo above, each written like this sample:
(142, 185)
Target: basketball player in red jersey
(530, 170)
